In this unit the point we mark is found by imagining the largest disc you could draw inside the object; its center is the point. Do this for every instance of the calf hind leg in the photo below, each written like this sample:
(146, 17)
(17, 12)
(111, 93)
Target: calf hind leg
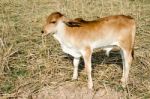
(107, 51)
(127, 59)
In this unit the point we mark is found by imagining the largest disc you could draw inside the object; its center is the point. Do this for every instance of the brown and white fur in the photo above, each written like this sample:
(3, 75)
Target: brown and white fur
(107, 49)
(80, 38)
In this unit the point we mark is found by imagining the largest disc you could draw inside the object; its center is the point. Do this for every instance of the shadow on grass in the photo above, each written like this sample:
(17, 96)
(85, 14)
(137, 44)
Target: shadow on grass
(100, 57)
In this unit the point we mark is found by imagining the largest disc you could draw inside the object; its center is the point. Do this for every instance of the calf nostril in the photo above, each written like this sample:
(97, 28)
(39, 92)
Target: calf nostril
(42, 31)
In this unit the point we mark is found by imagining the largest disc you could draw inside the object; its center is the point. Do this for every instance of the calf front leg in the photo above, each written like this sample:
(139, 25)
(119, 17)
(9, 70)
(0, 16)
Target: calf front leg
(87, 53)
(75, 70)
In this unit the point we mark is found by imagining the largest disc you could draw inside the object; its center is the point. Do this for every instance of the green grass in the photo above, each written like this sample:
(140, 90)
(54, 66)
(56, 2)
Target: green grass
(28, 62)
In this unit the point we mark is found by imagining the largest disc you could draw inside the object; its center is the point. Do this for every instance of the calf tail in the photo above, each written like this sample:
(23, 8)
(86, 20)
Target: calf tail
(132, 53)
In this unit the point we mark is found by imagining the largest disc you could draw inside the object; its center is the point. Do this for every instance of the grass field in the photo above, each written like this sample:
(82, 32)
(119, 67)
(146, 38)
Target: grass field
(32, 67)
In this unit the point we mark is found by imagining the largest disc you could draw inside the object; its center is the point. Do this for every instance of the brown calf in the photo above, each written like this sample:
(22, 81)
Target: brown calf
(79, 38)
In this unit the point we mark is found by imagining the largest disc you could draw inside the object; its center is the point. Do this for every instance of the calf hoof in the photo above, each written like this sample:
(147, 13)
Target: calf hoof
(90, 86)
(74, 78)
(124, 82)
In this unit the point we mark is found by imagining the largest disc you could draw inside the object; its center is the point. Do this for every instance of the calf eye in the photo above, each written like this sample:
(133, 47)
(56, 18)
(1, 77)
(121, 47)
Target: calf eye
(42, 31)
(53, 22)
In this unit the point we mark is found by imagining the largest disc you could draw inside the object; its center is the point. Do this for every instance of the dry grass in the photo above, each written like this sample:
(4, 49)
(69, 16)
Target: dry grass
(29, 63)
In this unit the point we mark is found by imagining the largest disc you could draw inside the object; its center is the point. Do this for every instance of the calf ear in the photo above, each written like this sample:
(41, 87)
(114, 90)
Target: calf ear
(79, 20)
(73, 24)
